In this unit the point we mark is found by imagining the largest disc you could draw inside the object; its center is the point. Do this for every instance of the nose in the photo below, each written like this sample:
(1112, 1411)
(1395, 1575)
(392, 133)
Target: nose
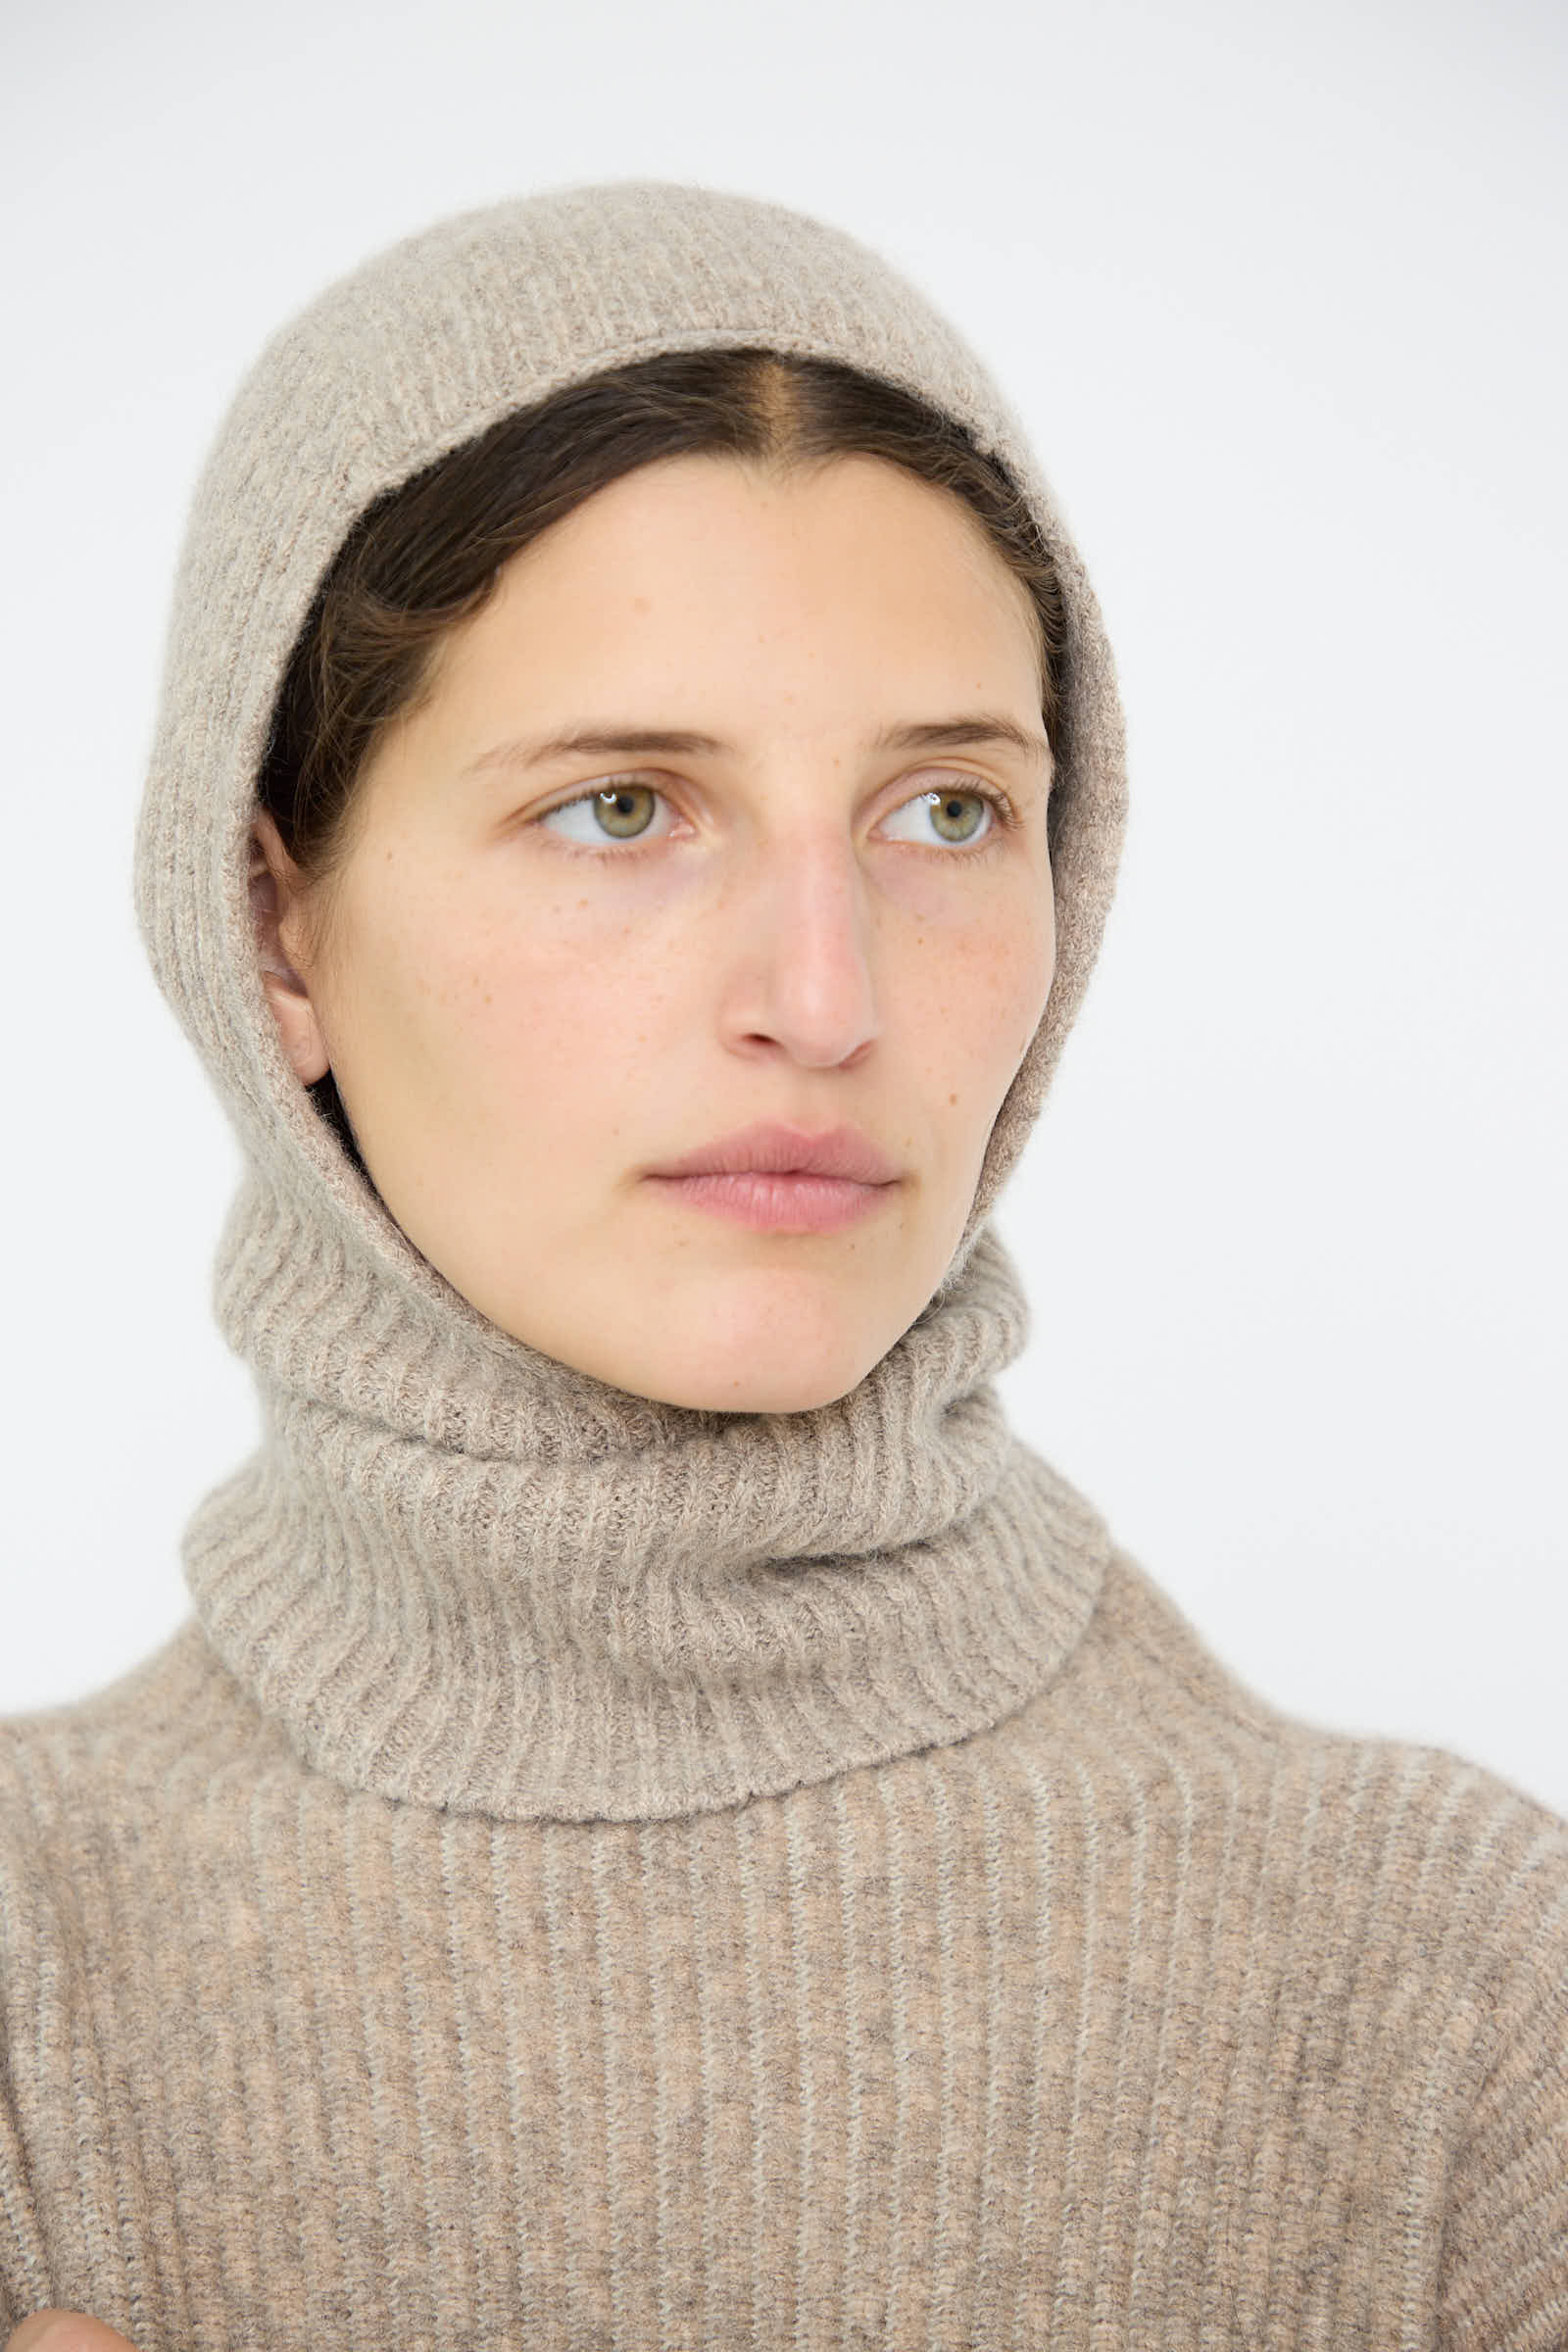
(801, 951)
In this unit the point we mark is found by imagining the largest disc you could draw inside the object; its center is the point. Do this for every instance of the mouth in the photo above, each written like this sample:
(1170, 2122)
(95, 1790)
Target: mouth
(770, 1150)
(781, 1200)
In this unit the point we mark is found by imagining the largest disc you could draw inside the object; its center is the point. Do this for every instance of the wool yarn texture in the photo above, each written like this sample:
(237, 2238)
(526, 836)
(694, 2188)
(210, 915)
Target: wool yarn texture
(593, 1873)
(445, 1458)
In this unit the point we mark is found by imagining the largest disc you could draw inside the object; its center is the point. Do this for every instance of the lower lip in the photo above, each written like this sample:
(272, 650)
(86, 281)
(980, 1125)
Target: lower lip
(780, 1203)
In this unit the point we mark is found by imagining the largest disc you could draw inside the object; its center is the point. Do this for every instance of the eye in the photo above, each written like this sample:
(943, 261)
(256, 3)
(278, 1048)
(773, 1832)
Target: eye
(957, 815)
(962, 813)
(620, 810)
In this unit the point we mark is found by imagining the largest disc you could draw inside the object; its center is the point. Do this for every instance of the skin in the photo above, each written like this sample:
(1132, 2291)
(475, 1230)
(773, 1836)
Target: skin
(520, 1030)
(513, 1025)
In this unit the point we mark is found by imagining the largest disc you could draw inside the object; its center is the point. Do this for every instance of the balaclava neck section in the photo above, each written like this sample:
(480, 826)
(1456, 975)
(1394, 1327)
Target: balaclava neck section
(532, 1595)
(457, 1571)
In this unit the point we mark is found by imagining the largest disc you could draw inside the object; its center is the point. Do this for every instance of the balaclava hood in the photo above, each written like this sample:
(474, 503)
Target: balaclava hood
(457, 1571)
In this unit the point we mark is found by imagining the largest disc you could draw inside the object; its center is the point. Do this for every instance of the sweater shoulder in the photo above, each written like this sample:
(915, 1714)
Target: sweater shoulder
(70, 1771)
(1149, 1684)
(1167, 1668)
(83, 1789)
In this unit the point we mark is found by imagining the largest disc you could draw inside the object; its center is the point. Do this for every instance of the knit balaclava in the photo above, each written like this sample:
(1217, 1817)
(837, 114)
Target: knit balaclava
(458, 1572)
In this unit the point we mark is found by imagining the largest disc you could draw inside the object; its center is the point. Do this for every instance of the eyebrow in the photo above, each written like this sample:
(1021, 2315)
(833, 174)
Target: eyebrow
(976, 727)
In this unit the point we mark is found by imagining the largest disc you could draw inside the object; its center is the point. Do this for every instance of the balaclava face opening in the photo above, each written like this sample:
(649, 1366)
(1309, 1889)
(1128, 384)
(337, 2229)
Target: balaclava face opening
(359, 1345)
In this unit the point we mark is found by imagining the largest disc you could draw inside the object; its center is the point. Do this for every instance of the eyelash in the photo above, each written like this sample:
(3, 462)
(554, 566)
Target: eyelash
(1002, 808)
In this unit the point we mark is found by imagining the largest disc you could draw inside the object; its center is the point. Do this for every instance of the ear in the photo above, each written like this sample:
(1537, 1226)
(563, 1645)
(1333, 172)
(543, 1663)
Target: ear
(276, 902)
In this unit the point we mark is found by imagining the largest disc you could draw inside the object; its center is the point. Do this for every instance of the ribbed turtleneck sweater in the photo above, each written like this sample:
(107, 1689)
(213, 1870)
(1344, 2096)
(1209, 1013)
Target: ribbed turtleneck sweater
(593, 1874)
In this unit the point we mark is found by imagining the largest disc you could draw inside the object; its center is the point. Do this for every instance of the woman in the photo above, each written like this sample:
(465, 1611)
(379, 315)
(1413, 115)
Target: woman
(668, 1824)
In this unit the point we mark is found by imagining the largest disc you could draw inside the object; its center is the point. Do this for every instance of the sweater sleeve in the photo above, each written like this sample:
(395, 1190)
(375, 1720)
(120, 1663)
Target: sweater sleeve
(23, 2269)
(1505, 2271)
(15, 2225)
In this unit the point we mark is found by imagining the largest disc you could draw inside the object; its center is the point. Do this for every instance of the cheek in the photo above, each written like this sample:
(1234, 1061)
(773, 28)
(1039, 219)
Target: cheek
(419, 982)
(1031, 970)
(982, 987)
(528, 1020)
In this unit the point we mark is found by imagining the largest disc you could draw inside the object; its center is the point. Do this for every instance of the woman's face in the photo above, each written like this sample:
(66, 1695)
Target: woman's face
(532, 998)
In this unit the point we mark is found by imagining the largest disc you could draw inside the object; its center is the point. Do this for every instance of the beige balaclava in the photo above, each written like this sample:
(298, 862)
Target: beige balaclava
(459, 1572)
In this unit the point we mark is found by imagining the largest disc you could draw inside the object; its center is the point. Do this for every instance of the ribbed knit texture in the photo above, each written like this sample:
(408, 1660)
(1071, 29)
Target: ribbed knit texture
(595, 1874)
(1144, 2019)
(623, 1611)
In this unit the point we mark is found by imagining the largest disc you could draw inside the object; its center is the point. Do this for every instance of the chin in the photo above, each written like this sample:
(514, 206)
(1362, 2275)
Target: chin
(774, 1384)
(770, 1398)
(763, 1343)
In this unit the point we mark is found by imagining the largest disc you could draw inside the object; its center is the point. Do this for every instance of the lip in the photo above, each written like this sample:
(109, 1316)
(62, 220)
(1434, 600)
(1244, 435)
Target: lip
(770, 1150)
(781, 1204)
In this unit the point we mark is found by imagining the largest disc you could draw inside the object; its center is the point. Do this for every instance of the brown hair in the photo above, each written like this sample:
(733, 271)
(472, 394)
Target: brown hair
(427, 554)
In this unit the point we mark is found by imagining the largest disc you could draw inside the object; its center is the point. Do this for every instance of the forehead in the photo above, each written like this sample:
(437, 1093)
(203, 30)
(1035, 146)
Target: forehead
(736, 572)
(678, 509)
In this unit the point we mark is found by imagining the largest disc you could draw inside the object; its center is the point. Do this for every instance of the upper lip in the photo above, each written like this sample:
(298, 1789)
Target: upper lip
(775, 1151)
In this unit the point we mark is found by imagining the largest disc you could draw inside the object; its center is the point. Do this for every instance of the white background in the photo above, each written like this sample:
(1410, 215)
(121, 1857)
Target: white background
(1277, 292)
